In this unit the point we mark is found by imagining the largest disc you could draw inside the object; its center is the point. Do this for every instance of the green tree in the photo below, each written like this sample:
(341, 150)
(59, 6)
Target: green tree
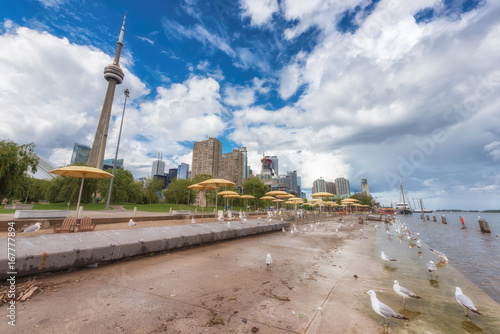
(64, 189)
(153, 186)
(178, 192)
(125, 189)
(15, 161)
(256, 188)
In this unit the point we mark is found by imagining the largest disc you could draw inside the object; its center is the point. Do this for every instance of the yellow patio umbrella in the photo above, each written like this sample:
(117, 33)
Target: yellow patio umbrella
(83, 172)
(228, 192)
(322, 194)
(247, 197)
(351, 200)
(267, 198)
(275, 193)
(218, 183)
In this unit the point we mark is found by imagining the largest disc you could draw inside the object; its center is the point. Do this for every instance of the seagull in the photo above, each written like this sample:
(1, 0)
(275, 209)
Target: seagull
(361, 231)
(220, 219)
(228, 224)
(269, 261)
(385, 257)
(403, 292)
(283, 230)
(33, 228)
(465, 302)
(418, 244)
(382, 309)
(431, 267)
(244, 220)
(193, 221)
(131, 223)
(388, 233)
(441, 255)
(270, 220)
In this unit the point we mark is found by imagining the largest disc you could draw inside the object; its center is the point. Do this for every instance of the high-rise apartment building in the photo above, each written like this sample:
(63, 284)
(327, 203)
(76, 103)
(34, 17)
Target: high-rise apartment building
(293, 182)
(319, 185)
(364, 187)
(158, 168)
(207, 157)
(183, 171)
(232, 167)
(342, 187)
(80, 154)
(330, 187)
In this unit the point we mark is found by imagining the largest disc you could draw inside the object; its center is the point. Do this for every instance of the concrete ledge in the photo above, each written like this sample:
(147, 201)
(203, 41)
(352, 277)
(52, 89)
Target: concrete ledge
(54, 252)
(181, 213)
(41, 214)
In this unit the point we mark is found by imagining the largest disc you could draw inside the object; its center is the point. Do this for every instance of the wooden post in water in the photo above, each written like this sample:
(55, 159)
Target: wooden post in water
(434, 218)
(443, 220)
(483, 225)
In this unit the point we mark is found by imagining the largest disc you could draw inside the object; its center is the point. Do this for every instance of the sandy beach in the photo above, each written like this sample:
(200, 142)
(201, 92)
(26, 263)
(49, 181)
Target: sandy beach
(316, 284)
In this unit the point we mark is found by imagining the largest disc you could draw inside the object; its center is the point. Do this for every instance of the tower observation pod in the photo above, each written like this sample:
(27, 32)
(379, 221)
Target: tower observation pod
(114, 75)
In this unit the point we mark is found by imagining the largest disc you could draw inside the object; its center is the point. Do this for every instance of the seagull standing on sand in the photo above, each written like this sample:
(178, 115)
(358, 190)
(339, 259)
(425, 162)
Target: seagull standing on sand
(193, 221)
(388, 233)
(382, 309)
(385, 257)
(431, 267)
(131, 223)
(403, 292)
(33, 228)
(442, 257)
(465, 302)
(269, 261)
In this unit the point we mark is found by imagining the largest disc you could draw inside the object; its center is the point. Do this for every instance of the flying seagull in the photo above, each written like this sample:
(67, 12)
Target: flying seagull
(431, 267)
(385, 257)
(403, 292)
(382, 309)
(465, 302)
(441, 255)
(33, 228)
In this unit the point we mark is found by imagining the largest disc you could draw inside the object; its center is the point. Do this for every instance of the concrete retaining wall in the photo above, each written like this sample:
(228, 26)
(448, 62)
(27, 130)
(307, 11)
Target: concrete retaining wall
(54, 252)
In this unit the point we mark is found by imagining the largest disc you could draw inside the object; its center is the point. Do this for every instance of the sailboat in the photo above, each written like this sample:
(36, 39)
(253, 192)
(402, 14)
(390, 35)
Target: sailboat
(403, 207)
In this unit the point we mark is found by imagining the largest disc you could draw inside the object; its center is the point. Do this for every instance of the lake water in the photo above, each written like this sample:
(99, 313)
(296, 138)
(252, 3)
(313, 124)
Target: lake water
(474, 253)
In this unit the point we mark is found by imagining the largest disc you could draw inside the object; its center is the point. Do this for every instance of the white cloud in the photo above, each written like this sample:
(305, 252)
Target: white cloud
(259, 11)
(146, 40)
(238, 96)
(493, 150)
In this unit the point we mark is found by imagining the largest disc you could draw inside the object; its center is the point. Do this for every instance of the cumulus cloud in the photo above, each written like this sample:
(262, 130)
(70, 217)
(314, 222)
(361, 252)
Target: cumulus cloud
(259, 11)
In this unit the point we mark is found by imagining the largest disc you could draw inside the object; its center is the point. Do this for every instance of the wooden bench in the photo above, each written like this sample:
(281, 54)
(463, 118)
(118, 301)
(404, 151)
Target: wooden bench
(67, 225)
(86, 225)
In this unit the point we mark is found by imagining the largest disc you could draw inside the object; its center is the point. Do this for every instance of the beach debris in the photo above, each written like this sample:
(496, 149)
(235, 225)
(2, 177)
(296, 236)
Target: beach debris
(441, 255)
(255, 329)
(465, 302)
(403, 292)
(385, 257)
(269, 261)
(382, 309)
(131, 222)
(355, 276)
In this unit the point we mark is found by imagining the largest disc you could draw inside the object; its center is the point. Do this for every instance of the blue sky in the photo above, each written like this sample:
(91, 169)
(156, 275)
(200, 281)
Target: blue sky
(355, 89)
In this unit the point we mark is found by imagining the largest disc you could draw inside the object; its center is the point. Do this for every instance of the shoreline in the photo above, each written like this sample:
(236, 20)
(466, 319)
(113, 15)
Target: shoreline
(311, 288)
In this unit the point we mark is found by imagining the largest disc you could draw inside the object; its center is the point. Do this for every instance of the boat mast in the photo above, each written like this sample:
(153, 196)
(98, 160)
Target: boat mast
(402, 194)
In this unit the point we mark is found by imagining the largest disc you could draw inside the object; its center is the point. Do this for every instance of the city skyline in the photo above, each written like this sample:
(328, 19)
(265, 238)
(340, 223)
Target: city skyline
(361, 89)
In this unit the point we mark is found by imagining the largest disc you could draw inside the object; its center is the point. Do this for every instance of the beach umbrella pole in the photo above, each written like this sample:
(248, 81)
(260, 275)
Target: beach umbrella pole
(79, 196)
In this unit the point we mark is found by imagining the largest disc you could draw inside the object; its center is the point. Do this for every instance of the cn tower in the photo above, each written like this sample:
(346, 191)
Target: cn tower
(114, 75)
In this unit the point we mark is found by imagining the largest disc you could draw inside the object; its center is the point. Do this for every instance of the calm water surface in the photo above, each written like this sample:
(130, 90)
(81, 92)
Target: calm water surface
(475, 254)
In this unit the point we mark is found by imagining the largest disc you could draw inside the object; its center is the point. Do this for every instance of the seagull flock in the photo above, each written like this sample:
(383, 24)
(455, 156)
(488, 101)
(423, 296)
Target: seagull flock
(385, 311)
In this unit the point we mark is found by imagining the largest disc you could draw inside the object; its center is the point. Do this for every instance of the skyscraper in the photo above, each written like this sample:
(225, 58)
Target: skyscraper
(183, 171)
(158, 168)
(80, 154)
(114, 75)
(207, 156)
(232, 167)
(364, 187)
(243, 150)
(330, 187)
(342, 187)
